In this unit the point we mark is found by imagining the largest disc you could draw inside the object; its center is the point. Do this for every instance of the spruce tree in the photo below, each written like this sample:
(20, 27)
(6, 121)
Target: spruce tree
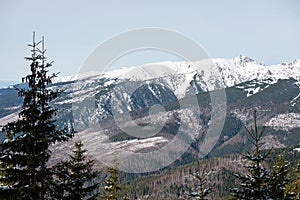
(254, 185)
(203, 190)
(75, 177)
(26, 152)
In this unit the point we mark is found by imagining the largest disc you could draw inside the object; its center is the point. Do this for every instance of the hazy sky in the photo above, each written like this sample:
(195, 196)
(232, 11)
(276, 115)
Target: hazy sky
(267, 31)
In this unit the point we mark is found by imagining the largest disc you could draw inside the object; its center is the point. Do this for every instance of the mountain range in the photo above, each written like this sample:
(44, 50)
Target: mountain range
(142, 109)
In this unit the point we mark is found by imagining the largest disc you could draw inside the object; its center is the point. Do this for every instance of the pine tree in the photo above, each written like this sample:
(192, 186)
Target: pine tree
(75, 177)
(25, 155)
(254, 185)
(202, 189)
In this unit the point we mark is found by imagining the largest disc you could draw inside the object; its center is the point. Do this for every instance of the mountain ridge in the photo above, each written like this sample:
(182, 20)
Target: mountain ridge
(96, 98)
(239, 62)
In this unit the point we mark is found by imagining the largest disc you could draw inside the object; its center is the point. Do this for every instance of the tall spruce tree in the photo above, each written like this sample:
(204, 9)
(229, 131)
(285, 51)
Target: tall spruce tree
(254, 185)
(25, 155)
(75, 177)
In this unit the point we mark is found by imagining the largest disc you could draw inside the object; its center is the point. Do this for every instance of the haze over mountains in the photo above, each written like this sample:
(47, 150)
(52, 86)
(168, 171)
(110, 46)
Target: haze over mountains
(4, 84)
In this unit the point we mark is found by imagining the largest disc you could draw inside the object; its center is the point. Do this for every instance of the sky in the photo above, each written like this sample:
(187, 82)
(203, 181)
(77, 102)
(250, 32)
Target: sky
(267, 31)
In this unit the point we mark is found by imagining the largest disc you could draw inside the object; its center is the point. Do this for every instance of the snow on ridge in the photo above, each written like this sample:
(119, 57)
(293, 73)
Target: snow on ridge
(178, 75)
(182, 77)
(61, 79)
(235, 70)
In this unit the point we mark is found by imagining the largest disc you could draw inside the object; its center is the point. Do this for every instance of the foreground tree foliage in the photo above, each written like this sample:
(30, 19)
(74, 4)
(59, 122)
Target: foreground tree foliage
(74, 178)
(293, 188)
(26, 151)
(254, 185)
(262, 183)
(280, 177)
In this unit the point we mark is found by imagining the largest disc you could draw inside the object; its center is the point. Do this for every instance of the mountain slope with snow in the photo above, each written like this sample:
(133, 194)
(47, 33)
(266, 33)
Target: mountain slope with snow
(163, 92)
(178, 76)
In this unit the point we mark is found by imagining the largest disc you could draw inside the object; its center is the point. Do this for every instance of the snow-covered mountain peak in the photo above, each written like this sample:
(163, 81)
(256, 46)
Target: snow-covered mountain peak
(294, 62)
(158, 70)
(180, 75)
(242, 59)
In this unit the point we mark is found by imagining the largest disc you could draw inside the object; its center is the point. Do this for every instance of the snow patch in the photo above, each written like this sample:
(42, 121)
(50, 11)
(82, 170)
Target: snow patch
(285, 121)
(297, 149)
(293, 102)
(12, 108)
